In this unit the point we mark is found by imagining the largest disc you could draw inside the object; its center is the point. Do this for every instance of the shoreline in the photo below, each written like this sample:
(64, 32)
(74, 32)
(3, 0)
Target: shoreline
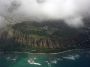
(46, 53)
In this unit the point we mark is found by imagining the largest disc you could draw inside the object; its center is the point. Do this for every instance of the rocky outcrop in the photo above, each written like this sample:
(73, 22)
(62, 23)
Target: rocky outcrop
(24, 37)
(35, 42)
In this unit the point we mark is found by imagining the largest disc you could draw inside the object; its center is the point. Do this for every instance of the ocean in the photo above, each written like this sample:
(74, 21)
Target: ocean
(70, 58)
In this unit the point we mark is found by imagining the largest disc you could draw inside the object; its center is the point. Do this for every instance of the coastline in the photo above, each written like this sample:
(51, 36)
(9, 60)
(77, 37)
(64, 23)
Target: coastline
(47, 53)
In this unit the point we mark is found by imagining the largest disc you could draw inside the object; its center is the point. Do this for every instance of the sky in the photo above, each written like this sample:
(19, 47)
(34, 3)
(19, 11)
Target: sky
(72, 12)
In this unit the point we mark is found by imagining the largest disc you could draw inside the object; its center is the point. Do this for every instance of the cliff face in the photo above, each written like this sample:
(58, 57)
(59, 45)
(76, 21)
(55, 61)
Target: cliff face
(39, 37)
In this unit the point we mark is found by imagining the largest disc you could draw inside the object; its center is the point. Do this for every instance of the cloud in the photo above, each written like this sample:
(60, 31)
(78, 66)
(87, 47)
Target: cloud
(71, 11)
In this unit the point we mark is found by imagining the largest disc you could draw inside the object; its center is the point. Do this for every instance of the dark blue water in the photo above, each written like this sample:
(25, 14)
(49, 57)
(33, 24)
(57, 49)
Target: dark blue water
(72, 58)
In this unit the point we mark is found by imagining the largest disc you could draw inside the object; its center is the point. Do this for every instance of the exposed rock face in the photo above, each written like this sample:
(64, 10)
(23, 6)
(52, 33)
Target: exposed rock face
(37, 37)
(29, 40)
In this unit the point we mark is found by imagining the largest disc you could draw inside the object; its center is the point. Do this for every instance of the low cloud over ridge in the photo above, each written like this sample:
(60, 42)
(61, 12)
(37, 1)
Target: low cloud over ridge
(71, 11)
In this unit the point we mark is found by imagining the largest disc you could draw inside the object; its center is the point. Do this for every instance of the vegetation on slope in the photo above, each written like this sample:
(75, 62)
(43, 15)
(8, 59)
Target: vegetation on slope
(40, 37)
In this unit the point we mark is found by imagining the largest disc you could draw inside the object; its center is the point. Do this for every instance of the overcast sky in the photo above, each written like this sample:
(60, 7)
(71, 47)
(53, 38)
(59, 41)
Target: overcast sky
(71, 11)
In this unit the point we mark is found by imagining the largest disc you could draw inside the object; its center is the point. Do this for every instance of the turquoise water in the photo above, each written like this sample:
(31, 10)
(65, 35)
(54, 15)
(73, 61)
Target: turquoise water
(72, 58)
